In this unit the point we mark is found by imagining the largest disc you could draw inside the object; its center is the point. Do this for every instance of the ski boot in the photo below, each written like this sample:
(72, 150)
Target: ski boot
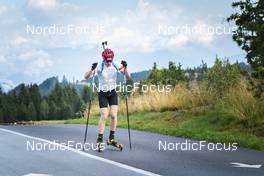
(100, 145)
(113, 143)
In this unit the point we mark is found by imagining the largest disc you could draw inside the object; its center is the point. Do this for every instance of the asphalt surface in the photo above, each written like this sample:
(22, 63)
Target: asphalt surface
(147, 154)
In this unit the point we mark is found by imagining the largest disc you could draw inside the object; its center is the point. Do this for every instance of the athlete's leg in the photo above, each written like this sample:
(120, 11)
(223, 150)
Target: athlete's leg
(113, 102)
(103, 103)
(104, 115)
(113, 115)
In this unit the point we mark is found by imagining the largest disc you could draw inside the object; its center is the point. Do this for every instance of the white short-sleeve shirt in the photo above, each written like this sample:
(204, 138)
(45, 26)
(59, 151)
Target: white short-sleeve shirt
(107, 76)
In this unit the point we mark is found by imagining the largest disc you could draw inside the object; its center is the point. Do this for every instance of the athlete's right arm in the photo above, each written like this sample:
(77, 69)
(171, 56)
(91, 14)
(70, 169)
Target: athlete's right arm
(89, 73)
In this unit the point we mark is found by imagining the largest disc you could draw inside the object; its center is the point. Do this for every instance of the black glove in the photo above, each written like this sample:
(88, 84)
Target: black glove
(94, 66)
(124, 63)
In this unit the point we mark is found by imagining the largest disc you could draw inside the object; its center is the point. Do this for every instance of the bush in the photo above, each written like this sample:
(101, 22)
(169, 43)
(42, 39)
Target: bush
(223, 76)
(181, 97)
(241, 103)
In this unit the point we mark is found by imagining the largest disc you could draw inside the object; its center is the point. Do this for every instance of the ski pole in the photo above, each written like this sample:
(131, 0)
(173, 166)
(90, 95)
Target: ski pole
(128, 124)
(89, 109)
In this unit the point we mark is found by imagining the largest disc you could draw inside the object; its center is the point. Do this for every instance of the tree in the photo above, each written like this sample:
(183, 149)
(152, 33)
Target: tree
(53, 111)
(10, 112)
(1, 115)
(249, 35)
(35, 98)
(23, 94)
(44, 110)
(171, 76)
(86, 94)
(174, 74)
(155, 76)
(66, 111)
(222, 76)
(23, 113)
(32, 113)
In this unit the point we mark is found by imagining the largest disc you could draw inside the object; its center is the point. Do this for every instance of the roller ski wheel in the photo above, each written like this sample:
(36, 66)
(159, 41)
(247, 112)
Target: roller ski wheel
(114, 144)
(99, 146)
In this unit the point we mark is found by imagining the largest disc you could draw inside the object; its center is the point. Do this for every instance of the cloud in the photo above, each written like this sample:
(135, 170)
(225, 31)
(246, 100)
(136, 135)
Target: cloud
(20, 40)
(133, 30)
(3, 9)
(42, 4)
(38, 61)
(138, 30)
(6, 84)
(3, 60)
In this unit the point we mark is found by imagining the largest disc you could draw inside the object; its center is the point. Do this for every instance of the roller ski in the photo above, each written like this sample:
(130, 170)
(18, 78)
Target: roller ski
(100, 145)
(113, 143)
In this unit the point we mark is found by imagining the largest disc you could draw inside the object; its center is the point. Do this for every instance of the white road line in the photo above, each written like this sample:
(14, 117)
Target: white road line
(34, 174)
(256, 166)
(134, 169)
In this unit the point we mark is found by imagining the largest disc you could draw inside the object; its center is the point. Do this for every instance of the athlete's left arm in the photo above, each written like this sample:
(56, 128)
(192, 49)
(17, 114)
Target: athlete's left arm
(126, 72)
(123, 69)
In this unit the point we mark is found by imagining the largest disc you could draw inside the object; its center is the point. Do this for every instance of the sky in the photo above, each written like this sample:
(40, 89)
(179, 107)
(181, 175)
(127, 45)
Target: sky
(45, 38)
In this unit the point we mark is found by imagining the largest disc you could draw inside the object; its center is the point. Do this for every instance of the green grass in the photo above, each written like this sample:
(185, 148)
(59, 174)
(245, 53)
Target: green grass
(211, 125)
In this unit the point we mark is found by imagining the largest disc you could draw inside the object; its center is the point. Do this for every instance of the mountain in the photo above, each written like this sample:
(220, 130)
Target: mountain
(17, 89)
(47, 86)
(139, 76)
(245, 67)
(5, 86)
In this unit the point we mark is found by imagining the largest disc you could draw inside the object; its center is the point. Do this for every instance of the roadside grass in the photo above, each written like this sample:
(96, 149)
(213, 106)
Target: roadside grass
(210, 125)
(193, 112)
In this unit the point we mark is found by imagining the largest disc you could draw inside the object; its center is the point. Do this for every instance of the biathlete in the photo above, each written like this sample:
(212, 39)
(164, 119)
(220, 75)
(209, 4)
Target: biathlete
(107, 71)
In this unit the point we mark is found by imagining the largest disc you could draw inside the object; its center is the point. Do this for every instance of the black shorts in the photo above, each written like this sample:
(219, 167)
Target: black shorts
(107, 98)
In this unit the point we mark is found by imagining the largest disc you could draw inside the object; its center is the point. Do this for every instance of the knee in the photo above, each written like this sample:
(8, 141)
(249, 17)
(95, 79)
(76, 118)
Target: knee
(104, 116)
(113, 117)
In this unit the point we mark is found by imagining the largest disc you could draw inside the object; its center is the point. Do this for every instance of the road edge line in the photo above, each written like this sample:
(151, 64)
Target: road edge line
(121, 165)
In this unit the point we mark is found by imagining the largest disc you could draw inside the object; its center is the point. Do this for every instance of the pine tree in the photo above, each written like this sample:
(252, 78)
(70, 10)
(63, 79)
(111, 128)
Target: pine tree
(44, 110)
(86, 94)
(23, 112)
(66, 111)
(23, 95)
(53, 111)
(35, 98)
(1, 116)
(31, 112)
(155, 76)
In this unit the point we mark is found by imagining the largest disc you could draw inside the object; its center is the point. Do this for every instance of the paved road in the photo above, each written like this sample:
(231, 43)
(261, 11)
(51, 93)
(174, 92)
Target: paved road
(15, 159)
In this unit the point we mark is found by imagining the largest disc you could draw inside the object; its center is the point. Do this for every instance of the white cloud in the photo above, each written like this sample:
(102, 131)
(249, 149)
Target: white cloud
(177, 41)
(20, 40)
(38, 61)
(136, 30)
(42, 4)
(6, 84)
(3, 60)
(3, 9)
(53, 8)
